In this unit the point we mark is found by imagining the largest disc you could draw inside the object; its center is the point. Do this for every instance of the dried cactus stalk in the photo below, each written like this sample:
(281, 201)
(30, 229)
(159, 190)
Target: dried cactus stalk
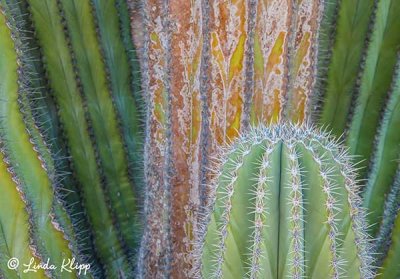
(285, 205)
(154, 256)
(303, 58)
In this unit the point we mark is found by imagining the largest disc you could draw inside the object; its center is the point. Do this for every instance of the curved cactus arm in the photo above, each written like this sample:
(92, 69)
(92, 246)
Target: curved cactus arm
(22, 149)
(351, 33)
(376, 79)
(58, 62)
(385, 157)
(285, 204)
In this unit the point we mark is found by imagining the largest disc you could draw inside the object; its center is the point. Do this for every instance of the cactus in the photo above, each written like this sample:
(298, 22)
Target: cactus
(82, 133)
(343, 42)
(209, 72)
(285, 204)
(27, 167)
(359, 99)
(81, 81)
(91, 81)
(387, 244)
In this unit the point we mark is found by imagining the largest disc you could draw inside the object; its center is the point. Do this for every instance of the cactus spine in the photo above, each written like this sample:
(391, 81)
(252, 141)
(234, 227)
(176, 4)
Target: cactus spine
(99, 119)
(285, 204)
(346, 50)
(387, 245)
(360, 100)
(26, 158)
(209, 71)
(380, 62)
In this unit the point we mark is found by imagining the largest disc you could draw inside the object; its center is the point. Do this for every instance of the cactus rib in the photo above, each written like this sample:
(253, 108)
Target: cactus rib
(58, 61)
(376, 80)
(384, 162)
(285, 204)
(346, 58)
(102, 117)
(120, 73)
(21, 148)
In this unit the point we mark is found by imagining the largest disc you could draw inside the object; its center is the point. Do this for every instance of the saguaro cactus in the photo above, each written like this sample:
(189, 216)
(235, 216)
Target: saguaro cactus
(285, 205)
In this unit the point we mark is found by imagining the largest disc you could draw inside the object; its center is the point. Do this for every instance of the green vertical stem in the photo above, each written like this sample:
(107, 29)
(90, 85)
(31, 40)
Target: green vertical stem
(376, 80)
(103, 119)
(28, 165)
(351, 34)
(58, 62)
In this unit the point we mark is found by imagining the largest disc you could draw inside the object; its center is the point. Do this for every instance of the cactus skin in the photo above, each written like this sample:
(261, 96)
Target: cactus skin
(376, 79)
(14, 244)
(207, 76)
(387, 245)
(103, 119)
(113, 21)
(385, 158)
(44, 115)
(83, 91)
(390, 266)
(285, 205)
(28, 162)
(360, 100)
(352, 26)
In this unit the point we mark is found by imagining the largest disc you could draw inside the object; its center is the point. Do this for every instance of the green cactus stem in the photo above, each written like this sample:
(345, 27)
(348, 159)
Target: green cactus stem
(66, 33)
(103, 118)
(14, 228)
(352, 26)
(285, 204)
(376, 79)
(116, 44)
(387, 245)
(385, 158)
(26, 156)
(44, 115)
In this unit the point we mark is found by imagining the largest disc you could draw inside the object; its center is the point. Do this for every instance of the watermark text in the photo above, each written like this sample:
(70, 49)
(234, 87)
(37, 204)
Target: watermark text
(67, 265)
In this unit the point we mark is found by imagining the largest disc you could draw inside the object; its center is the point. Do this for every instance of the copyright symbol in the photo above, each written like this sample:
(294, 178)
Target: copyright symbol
(13, 263)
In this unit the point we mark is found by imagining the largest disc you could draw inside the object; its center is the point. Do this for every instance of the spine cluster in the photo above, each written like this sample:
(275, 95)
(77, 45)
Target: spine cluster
(285, 204)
